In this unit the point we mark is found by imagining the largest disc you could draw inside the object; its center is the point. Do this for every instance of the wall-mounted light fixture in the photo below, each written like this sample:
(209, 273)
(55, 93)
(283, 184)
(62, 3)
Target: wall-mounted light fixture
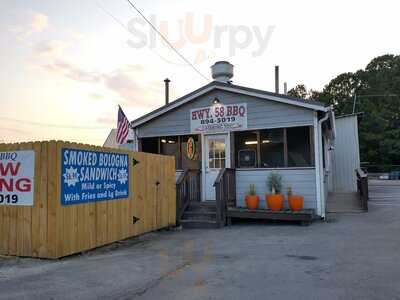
(216, 101)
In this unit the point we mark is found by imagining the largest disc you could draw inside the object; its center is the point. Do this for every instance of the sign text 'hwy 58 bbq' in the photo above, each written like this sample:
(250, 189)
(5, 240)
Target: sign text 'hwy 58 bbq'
(17, 170)
(218, 118)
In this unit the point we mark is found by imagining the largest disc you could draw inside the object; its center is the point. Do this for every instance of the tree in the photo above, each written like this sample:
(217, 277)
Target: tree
(380, 130)
(301, 91)
(340, 92)
(376, 90)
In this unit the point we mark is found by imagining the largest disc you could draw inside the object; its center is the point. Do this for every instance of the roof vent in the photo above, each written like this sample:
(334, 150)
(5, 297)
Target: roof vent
(222, 71)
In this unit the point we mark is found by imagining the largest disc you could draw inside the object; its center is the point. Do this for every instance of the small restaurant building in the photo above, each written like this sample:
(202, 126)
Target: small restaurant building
(249, 132)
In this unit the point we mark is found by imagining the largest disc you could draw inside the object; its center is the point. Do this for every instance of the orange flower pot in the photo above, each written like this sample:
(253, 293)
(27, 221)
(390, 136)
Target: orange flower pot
(275, 202)
(296, 203)
(252, 202)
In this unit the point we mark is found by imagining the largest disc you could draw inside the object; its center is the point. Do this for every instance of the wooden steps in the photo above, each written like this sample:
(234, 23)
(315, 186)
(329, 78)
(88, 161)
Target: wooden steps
(199, 224)
(200, 215)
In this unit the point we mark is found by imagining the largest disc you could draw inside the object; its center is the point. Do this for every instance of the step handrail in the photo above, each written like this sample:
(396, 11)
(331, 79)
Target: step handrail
(187, 190)
(225, 193)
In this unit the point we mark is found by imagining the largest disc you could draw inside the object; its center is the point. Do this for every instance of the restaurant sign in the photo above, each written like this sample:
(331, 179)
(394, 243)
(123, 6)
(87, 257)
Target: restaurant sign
(17, 169)
(91, 176)
(218, 118)
(191, 149)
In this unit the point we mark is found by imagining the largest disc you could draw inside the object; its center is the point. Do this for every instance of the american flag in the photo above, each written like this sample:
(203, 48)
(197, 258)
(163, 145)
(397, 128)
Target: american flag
(123, 127)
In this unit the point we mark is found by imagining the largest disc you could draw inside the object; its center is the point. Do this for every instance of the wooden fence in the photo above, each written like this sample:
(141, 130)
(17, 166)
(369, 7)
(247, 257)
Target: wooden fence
(49, 229)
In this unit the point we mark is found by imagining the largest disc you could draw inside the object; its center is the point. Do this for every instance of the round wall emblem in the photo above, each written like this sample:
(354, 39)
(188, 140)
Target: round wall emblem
(191, 149)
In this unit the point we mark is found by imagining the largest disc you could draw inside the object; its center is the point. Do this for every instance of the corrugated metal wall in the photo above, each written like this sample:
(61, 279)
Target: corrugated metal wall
(346, 156)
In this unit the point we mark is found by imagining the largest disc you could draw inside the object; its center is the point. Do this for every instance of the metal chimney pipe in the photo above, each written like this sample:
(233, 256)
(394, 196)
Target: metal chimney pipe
(222, 71)
(167, 81)
(277, 79)
(285, 88)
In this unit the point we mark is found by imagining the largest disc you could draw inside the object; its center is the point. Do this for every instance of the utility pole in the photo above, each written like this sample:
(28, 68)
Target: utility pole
(354, 104)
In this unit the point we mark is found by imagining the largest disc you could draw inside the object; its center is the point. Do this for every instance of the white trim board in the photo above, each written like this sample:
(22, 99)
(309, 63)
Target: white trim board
(317, 165)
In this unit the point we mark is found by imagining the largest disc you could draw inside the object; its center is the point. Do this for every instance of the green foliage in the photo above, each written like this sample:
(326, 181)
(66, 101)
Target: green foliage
(340, 93)
(290, 191)
(301, 91)
(376, 90)
(252, 190)
(274, 182)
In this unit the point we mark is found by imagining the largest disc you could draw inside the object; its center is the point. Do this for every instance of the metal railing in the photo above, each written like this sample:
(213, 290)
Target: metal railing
(362, 187)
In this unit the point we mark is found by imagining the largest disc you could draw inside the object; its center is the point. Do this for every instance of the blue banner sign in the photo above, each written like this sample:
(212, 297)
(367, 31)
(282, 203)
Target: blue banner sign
(89, 176)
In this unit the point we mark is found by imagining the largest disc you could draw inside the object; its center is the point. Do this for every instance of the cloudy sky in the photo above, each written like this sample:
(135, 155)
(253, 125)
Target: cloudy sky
(67, 65)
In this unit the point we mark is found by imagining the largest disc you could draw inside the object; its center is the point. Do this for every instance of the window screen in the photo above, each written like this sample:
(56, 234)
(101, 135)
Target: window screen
(246, 143)
(170, 146)
(150, 145)
(272, 148)
(299, 147)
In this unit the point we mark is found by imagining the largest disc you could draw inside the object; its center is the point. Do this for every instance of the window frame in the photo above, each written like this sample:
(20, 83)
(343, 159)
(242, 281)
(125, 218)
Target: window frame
(179, 163)
(237, 149)
(285, 149)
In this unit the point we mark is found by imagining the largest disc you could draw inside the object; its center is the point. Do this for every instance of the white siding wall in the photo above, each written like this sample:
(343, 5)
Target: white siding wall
(302, 182)
(261, 114)
(346, 156)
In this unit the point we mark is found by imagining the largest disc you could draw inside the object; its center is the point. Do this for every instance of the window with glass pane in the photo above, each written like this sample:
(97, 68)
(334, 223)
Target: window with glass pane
(216, 153)
(246, 149)
(299, 147)
(150, 145)
(272, 148)
(187, 163)
(170, 146)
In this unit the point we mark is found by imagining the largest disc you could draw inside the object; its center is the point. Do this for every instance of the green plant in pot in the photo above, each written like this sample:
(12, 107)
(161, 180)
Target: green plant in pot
(252, 199)
(296, 202)
(275, 199)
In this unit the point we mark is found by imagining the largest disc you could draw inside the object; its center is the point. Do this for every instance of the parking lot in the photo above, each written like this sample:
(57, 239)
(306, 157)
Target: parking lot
(351, 256)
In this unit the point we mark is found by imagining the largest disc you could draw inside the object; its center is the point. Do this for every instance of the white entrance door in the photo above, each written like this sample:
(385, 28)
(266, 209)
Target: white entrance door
(216, 157)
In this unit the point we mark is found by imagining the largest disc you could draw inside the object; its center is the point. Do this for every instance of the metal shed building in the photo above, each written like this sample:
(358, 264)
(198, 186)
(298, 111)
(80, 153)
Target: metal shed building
(346, 156)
